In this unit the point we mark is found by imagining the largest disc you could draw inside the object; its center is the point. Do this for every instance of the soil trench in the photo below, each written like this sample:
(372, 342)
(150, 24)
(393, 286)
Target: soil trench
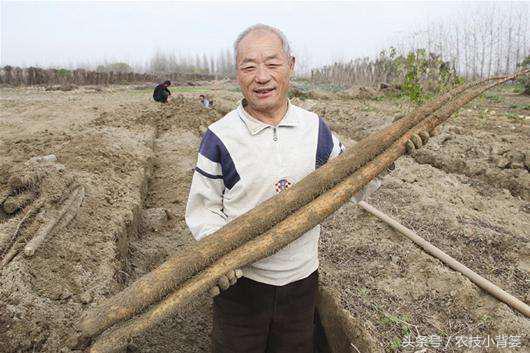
(163, 232)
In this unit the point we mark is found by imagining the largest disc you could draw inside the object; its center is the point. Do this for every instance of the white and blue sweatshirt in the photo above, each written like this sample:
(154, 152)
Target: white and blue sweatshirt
(243, 162)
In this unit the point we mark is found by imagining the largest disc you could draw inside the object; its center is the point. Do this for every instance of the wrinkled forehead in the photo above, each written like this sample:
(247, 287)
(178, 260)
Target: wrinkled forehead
(260, 45)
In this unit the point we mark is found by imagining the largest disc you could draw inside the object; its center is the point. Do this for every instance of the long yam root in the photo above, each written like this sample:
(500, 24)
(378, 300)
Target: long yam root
(59, 219)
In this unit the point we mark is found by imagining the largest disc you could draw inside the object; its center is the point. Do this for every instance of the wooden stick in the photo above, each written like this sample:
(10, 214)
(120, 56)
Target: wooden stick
(480, 281)
(58, 220)
(283, 233)
(155, 285)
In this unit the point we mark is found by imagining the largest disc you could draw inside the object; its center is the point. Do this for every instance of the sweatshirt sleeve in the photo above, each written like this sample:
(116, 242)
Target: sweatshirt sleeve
(328, 145)
(212, 175)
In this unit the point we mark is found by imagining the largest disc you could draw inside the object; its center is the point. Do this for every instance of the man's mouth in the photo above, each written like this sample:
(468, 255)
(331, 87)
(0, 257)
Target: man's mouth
(264, 92)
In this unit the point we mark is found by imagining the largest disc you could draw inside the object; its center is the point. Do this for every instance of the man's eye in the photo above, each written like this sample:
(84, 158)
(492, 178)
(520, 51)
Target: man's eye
(248, 68)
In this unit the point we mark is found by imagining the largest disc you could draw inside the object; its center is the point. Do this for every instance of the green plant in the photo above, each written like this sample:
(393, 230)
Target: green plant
(363, 292)
(494, 98)
(412, 73)
(520, 106)
(395, 343)
(420, 67)
(411, 86)
(64, 72)
(518, 87)
(483, 114)
(525, 79)
(513, 116)
(485, 319)
(401, 322)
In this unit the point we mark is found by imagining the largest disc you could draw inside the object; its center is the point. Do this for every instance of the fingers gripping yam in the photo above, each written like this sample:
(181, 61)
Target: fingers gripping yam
(424, 135)
(214, 291)
(416, 140)
(232, 277)
(409, 145)
(224, 282)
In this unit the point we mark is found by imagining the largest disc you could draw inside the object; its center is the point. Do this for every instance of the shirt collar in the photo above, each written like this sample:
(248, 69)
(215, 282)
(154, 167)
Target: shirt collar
(254, 126)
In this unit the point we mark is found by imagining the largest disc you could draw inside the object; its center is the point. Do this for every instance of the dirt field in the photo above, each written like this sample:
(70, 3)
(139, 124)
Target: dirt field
(467, 191)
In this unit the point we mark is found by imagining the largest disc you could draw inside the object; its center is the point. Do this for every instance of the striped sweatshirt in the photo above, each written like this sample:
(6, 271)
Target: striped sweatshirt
(242, 162)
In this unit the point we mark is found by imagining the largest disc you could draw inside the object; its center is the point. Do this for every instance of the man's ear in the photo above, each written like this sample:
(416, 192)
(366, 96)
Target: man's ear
(292, 61)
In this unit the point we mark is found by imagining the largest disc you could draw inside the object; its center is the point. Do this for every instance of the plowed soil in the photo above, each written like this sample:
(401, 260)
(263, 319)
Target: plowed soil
(467, 192)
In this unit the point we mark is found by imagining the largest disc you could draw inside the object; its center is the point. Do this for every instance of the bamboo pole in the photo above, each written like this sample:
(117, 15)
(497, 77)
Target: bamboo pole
(283, 233)
(155, 285)
(480, 281)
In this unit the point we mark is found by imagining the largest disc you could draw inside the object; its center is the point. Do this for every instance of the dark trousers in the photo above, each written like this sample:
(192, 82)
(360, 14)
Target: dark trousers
(254, 317)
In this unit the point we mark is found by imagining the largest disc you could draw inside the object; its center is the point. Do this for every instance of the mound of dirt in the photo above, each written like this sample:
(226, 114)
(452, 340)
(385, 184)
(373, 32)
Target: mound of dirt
(44, 295)
(182, 112)
(499, 161)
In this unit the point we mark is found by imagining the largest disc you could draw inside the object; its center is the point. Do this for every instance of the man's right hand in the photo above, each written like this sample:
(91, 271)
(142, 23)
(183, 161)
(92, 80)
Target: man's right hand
(224, 282)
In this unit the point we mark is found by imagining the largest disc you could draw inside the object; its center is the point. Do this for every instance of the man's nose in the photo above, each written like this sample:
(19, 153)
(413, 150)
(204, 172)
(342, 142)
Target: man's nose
(262, 75)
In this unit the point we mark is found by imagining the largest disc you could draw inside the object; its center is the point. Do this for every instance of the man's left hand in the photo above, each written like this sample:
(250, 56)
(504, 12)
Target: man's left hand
(416, 141)
(224, 282)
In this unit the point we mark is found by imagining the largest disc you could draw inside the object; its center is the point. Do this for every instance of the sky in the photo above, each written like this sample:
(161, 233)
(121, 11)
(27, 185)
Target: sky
(72, 33)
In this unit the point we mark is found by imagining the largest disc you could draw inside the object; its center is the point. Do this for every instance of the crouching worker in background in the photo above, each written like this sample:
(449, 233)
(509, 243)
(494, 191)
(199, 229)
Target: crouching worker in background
(256, 151)
(161, 93)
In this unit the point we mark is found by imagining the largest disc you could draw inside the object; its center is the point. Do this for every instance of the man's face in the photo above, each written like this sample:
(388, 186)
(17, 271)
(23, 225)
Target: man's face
(263, 71)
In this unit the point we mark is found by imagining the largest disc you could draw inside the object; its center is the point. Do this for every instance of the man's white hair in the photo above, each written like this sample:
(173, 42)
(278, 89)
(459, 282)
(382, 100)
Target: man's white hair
(262, 27)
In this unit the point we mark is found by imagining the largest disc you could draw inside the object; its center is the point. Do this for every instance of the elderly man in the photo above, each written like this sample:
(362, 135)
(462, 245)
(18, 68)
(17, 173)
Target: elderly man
(257, 150)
